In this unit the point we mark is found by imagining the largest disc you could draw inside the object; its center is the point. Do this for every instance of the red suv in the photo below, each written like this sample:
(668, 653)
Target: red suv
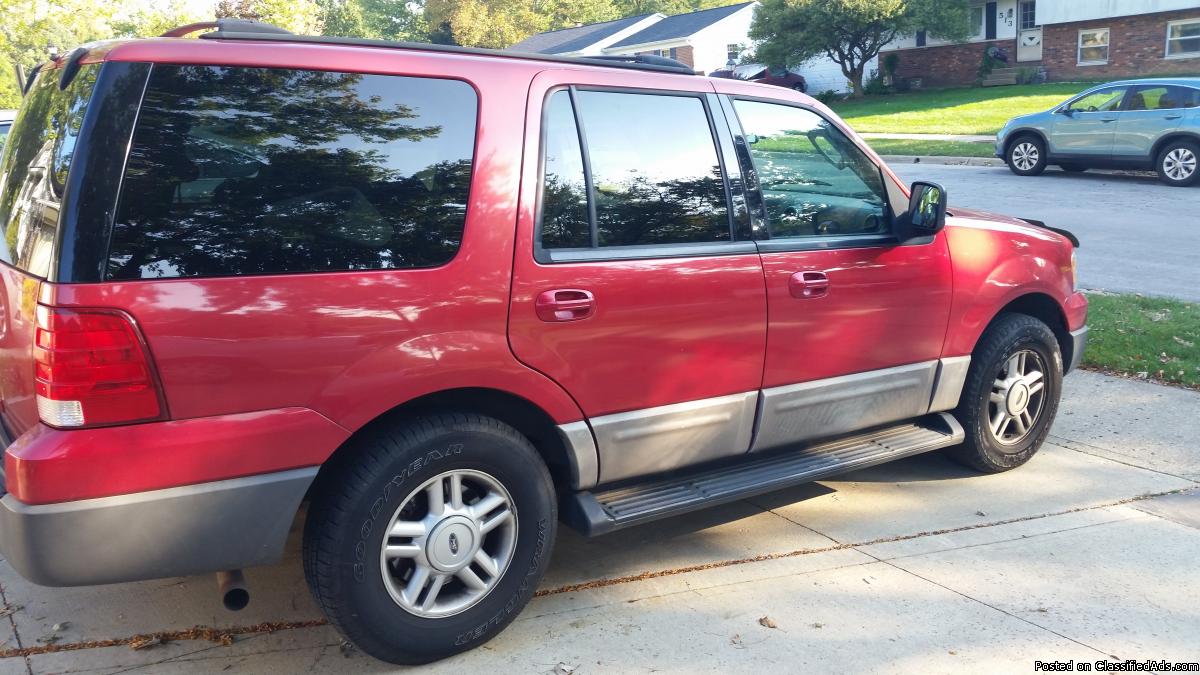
(448, 296)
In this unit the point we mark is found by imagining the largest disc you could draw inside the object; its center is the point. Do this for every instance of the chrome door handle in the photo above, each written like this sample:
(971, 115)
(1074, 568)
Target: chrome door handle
(805, 285)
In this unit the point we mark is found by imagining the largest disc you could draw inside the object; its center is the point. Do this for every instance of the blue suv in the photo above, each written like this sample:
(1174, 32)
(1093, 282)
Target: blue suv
(1135, 124)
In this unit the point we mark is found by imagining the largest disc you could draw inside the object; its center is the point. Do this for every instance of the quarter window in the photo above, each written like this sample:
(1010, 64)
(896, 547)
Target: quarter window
(1093, 46)
(815, 180)
(654, 173)
(1183, 38)
(261, 171)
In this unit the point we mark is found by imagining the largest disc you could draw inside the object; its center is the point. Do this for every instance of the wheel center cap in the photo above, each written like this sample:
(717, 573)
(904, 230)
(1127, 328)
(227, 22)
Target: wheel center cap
(1017, 399)
(452, 543)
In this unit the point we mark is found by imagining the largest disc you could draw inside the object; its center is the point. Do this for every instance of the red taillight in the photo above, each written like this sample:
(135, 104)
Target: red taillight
(92, 368)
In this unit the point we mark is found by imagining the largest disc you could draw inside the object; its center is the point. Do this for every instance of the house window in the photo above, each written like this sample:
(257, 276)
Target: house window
(977, 21)
(1183, 38)
(732, 52)
(1093, 46)
(1028, 14)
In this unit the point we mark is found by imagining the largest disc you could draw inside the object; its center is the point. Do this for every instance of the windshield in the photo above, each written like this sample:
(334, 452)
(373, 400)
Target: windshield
(34, 167)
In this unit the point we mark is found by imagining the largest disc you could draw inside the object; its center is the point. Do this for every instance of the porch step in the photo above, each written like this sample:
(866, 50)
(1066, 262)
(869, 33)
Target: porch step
(999, 81)
(594, 513)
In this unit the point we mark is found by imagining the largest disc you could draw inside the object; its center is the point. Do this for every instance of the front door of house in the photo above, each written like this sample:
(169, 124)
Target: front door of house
(1029, 37)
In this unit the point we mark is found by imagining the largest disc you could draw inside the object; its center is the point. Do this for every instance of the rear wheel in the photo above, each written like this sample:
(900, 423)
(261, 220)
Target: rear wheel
(1178, 163)
(1011, 394)
(429, 537)
(1026, 156)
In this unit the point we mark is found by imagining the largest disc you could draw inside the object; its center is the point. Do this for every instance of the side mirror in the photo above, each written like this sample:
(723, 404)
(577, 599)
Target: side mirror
(926, 210)
(1064, 111)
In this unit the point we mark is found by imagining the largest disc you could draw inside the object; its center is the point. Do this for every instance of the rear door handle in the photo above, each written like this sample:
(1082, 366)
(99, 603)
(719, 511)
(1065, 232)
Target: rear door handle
(1172, 117)
(806, 285)
(565, 304)
(1108, 119)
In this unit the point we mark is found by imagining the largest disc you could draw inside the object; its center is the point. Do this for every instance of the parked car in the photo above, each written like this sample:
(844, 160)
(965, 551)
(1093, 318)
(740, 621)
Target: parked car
(1134, 124)
(255, 268)
(773, 75)
(6, 120)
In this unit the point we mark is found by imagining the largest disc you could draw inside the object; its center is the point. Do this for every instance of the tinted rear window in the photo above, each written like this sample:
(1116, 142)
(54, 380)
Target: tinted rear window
(263, 171)
(33, 172)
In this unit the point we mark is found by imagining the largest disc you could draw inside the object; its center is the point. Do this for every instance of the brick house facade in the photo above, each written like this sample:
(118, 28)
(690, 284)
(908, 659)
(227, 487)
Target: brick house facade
(946, 65)
(1136, 48)
(1134, 30)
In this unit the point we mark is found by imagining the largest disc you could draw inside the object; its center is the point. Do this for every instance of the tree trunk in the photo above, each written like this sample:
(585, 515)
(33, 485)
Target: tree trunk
(856, 81)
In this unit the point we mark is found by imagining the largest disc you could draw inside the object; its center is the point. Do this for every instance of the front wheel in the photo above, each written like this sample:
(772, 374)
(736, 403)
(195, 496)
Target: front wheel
(427, 538)
(1026, 156)
(1011, 394)
(1177, 163)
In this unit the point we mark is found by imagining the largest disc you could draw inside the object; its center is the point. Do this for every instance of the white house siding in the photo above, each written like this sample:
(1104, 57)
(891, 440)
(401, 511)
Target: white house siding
(822, 74)
(1006, 24)
(1066, 11)
(709, 44)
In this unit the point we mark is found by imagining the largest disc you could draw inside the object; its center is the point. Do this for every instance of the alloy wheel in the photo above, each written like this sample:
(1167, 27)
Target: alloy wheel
(1025, 155)
(1179, 164)
(1017, 397)
(449, 543)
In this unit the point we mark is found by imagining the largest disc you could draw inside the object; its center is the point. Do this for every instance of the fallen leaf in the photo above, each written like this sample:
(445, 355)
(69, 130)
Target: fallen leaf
(818, 625)
(1185, 343)
(736, 641)
(980, 513)
(10, 610)
(564, 669)
(140, 643)
(767, 622)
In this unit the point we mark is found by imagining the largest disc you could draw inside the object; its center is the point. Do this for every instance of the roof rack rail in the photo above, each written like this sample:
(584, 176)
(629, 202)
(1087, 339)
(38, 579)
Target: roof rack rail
(261, 32)
(228, 26)
(649, 59)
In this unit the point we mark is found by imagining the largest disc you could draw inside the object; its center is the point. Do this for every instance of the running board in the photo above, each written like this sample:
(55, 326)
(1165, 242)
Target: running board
(594, 513)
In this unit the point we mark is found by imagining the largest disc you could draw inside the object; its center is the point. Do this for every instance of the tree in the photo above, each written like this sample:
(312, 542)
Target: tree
(850, 32)
(299, 16)
(375, 19)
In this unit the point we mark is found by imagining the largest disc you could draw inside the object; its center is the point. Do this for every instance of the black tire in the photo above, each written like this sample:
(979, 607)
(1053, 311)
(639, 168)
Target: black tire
(355, 499)
(1073, 168)
(1026, 155)
(1009, 334)
(1178, 163)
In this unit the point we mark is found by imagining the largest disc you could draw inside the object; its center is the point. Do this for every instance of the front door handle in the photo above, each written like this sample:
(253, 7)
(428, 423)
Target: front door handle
(1172, 117)
(565, 304)
(805, 285)
(1108, 119)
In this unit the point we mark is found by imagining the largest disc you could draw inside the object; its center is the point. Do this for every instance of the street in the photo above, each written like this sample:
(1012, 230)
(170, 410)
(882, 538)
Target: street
(1136, 233)
(920, 566)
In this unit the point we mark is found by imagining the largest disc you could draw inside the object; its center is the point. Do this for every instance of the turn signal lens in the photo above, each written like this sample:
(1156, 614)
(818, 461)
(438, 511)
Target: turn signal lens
(92, 368)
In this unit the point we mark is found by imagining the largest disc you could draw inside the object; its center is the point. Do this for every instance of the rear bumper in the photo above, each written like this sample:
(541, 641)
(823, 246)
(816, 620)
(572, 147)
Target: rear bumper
(221, 525)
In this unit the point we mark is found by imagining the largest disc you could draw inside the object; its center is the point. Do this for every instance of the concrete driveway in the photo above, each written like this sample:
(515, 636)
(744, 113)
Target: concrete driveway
(1137, 234)
(1089, 552)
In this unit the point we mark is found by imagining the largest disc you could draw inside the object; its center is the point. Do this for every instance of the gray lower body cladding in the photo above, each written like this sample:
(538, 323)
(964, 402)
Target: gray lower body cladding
(194, 529)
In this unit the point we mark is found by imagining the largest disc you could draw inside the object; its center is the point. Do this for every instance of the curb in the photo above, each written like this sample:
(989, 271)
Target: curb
(948, 161)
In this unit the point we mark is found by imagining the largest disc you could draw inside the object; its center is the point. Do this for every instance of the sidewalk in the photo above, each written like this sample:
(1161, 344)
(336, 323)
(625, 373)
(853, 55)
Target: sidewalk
(934, 137)
(921, 566)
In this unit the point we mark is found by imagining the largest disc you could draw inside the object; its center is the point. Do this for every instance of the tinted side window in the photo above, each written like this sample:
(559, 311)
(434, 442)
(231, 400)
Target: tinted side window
(564, 190)
(655, 176)
(35, 165)
(262, 170)
(1099, 101)
(814, 180)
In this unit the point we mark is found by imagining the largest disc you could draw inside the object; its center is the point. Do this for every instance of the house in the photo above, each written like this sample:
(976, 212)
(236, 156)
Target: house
(1069, 39)
(706, 40)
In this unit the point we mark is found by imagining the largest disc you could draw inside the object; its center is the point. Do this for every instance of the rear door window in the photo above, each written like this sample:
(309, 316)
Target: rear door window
(263, 171)
(652, 177)
(34, 169)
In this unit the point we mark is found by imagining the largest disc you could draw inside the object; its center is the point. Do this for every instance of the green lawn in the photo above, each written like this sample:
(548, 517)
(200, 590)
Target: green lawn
(897, 146)
(1144, 337)
(973, 110)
